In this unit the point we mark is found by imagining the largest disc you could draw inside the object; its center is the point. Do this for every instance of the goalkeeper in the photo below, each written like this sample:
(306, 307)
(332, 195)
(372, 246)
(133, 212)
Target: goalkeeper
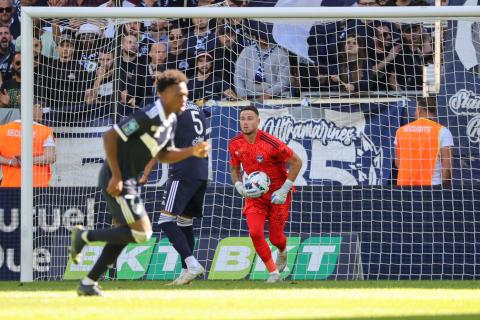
(257, 150)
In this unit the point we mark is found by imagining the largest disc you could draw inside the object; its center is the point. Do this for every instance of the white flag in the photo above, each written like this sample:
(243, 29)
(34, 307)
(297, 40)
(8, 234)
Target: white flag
(294, 35)
(464, 42)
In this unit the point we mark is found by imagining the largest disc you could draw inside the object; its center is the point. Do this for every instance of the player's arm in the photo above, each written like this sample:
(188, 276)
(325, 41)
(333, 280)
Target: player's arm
(446, 142)
(446, 160)
(148, 169)
(110, 144)
(235, 171)
(295, 165)
(49, 156)
(397, 153)
(174, 155)
(235, 174)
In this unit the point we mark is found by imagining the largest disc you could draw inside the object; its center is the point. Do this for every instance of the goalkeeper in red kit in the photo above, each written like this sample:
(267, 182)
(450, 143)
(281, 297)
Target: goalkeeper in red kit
(257, 150)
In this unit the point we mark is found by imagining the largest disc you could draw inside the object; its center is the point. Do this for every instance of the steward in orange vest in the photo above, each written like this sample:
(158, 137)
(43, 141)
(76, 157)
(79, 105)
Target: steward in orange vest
(422, 149)
(10, 152)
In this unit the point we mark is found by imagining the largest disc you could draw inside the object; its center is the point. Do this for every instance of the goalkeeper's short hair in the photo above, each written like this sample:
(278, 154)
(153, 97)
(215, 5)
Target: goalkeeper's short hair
(250, 108)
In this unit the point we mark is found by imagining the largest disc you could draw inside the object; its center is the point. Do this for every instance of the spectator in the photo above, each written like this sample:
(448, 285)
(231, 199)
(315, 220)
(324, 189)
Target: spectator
(262, 70)
(416, 52)
(200, 37)
(362, 29)
(88, 40)
(133, 72)
(157, 57)
(43, 151)
(46, 37)
(226, 54)
(177, 57)
(88, 3)
(366, 3)
(205, 85)
(422, 149)
(103, 90)
(305, 76)
(235, 3)
(63, 82)
(8, 18)
(352, 73)
(158, 63)
(6, 52)
(134, 28)
(382, 56)
(169, 3)
(157, 31)
(10, 89)
(406, 3)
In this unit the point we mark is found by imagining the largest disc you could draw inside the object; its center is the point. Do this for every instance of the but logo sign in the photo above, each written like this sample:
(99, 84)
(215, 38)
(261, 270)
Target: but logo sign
(316, 259)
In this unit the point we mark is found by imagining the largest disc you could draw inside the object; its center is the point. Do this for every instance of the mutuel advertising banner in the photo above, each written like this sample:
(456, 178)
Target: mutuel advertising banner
(310, 256)
(376, 232)
(55, 213)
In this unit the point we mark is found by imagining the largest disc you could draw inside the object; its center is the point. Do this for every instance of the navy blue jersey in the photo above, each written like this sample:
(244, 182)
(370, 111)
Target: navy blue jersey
(191, 129)
(143, 135)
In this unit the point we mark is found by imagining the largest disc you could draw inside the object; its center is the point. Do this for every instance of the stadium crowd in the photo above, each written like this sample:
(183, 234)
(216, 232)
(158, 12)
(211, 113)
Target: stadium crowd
(91, 70)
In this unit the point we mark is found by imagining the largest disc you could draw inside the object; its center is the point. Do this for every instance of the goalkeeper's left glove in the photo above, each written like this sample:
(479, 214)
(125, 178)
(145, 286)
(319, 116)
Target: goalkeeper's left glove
(280, 195)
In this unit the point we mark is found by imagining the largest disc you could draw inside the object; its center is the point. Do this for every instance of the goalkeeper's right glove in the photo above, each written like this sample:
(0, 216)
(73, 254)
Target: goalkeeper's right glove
(247, 193)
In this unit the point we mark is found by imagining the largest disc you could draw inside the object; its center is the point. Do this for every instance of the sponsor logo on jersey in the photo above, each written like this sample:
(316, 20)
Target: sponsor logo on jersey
(130, 127)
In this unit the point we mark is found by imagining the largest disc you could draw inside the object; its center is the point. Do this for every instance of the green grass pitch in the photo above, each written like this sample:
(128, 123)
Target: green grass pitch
(245, 300)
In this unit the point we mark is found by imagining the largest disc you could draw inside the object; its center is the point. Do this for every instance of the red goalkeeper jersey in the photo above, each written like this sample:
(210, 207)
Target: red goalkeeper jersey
(267, 154)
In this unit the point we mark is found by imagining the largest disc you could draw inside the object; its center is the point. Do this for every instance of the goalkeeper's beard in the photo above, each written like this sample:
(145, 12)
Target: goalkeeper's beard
(249, 132)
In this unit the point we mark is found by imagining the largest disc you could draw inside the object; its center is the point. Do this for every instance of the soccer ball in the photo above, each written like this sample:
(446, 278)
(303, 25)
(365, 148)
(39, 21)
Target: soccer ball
(258, 180)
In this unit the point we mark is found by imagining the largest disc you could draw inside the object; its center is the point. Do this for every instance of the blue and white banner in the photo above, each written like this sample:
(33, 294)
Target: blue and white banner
(460, 90)
(459, 97)
(339, 144)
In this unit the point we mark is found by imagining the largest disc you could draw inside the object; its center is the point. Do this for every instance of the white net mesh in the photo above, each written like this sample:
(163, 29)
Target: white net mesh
(338, 105)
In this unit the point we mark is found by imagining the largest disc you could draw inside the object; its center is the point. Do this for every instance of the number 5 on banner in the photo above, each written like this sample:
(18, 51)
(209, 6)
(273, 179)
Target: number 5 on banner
(334, 151)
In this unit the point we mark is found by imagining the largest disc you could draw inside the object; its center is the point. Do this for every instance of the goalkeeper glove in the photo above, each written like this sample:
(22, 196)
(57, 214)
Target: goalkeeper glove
(247, 193)
(280, 196)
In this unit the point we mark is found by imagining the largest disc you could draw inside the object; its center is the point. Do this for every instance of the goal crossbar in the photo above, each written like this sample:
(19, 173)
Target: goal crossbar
(267, 12)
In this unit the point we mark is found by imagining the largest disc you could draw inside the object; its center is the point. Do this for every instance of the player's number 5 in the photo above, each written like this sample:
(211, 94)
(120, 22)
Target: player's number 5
(197, 123)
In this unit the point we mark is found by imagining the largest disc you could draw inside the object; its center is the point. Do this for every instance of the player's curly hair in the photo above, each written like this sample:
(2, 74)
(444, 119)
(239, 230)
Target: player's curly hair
(170, 77)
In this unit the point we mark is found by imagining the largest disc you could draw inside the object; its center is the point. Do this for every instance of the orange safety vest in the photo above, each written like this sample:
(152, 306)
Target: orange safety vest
(10, 146)
(418, 146)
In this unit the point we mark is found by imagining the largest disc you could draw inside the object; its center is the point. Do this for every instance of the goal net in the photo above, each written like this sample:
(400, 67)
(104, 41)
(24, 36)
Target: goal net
(336, 91)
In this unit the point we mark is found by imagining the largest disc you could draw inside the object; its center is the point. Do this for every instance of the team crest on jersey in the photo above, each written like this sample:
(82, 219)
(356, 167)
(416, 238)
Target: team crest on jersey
(259, 158)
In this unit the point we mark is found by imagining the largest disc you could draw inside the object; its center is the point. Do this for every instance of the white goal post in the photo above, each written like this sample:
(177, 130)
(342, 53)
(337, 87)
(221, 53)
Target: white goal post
(27, 89)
